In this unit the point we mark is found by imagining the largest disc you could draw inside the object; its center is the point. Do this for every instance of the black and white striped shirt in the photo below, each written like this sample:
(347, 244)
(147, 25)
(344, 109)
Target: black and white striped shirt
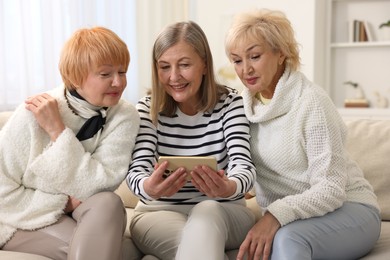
(224, 134)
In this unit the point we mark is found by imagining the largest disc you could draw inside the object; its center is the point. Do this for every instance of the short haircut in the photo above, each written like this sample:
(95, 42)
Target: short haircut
(89, 48)
(269, 26)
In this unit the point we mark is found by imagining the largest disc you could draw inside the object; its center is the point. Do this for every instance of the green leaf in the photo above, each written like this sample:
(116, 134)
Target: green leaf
(387, 24)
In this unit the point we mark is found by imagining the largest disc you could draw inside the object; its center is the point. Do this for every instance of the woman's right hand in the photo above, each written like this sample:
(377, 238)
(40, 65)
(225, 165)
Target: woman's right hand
(45, 109)
(258, 241)
(157, 186)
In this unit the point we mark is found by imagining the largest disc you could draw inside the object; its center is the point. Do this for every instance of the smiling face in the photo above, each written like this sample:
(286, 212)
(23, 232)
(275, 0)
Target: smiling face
(180, 71)
(258, 67)
(104, 85)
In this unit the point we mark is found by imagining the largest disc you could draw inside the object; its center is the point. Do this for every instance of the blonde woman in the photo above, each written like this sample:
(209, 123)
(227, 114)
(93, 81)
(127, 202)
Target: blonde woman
(317, 204)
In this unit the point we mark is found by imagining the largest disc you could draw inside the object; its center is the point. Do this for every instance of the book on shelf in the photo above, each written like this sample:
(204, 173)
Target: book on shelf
(356, 102)
(359, 31)
(362, 32)
(367, 27)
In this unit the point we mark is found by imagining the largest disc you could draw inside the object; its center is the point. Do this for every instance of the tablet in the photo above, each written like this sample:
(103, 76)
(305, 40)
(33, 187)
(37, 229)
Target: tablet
(188, 162)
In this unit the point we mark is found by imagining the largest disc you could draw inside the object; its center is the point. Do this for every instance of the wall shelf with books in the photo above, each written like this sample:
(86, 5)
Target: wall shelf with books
(344, 13)
(360, 59)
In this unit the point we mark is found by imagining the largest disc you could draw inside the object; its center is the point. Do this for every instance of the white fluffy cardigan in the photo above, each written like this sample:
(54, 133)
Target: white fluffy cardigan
(37, 175)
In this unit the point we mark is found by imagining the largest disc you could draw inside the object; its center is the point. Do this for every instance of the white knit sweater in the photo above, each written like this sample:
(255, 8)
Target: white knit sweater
(298, 147)
(36, 175)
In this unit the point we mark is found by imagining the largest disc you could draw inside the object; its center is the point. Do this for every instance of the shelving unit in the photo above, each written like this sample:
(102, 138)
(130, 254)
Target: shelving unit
(367, 63)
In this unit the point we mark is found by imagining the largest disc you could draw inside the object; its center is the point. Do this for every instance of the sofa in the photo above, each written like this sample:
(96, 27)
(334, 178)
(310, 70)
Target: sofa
(368, 143)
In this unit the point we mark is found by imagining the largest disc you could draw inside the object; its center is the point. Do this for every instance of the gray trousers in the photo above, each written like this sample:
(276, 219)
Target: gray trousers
(349, 232)
(94, 231)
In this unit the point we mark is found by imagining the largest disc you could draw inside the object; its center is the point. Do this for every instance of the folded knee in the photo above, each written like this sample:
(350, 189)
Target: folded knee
(105, 204)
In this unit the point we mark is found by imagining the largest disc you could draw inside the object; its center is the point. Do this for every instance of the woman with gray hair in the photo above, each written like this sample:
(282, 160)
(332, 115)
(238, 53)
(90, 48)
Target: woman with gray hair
(189, 114)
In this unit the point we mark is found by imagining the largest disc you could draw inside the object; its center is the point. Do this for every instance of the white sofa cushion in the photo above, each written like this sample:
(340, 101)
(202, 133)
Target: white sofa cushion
(368, 143)
(128, 198)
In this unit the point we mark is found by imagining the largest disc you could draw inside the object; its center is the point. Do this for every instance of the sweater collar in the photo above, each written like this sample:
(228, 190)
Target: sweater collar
(287, 91)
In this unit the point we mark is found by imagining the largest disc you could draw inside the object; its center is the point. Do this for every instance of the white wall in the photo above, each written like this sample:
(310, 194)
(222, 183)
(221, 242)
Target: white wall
(152, 16)
(214, 16)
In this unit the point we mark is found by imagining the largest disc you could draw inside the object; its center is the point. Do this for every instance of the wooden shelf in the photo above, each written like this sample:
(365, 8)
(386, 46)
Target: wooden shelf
(360, 44)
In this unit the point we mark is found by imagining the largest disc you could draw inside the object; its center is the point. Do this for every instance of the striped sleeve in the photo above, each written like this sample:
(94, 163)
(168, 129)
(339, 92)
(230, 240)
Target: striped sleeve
(144, 151)
(236, 133)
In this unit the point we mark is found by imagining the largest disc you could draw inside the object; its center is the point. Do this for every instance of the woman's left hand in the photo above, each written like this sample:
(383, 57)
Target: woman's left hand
(213, 184)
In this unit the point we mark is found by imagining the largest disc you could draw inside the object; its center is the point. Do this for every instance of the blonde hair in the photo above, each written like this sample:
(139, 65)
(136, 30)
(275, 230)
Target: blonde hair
(90, 48)
(210, 90)
(269, 26)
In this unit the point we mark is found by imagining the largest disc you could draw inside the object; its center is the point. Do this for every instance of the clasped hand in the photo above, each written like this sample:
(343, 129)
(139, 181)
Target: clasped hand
(212, 183)
(45, 110)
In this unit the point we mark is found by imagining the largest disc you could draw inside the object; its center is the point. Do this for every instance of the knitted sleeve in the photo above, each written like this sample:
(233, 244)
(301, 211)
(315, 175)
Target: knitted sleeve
(323, 136)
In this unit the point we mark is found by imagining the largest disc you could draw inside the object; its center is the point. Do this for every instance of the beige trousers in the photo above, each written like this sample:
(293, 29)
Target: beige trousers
(204, 232)
(93, 232)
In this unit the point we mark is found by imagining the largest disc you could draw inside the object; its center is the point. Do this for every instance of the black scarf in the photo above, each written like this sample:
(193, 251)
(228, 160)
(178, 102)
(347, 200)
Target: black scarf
(96, 116)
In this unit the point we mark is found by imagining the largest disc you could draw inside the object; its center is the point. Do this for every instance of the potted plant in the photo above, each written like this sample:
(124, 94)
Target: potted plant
(358, 91)
(358, 100)
(384, 29)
